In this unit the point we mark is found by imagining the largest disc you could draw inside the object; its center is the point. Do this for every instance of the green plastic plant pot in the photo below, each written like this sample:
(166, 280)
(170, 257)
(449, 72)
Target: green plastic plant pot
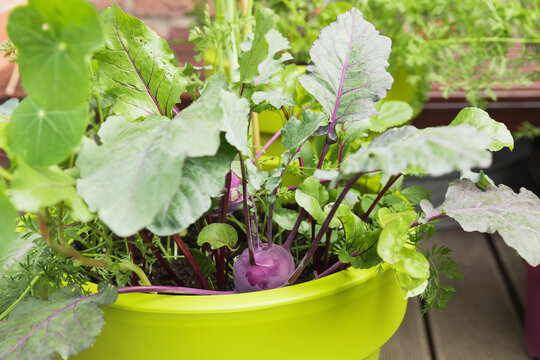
(348, 315)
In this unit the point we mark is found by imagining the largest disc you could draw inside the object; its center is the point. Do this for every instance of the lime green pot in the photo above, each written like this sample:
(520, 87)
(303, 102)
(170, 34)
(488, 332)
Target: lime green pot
(347, 315)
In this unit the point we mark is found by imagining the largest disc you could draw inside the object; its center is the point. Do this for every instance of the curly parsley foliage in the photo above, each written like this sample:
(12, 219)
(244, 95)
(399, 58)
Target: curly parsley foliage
(436, 295)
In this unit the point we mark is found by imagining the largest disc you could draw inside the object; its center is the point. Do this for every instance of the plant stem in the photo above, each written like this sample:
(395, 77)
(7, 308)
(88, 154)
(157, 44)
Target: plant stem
(389, 184)
(224, 201)
(247, 219)
(189, 257)
(327, 249)
(324, 227)
(171, 289)
(22, 296)
(160, 259)
(102, 234)
(6, 174)
(129, 266)
(267, 145)
(294, 230)
(437, 216)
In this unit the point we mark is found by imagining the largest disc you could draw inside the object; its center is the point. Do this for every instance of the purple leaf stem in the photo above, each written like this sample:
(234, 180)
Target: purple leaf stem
(292, 234)
(224, 201)
(322, 231)
(191, 261)
(327, 249)
(171, 289)
(389, 184)
(247, 219)
(267, 145)
(175, 110)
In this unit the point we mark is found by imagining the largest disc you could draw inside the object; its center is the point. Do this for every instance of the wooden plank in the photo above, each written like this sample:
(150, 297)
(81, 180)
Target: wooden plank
(410, 342)
(513, 266)
(480, 322)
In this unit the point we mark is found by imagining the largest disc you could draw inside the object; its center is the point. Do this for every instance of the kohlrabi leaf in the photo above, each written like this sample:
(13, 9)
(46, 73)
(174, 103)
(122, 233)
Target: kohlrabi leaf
(516, 217)
(480, 119)
(67, 323)
(273, 97)
(295, 132)
(312, 196)
(202, 178)
(135, 172)
(218, 235)
(45, 137)
(137, 67)
(256, 49)
(271, 64)
(435, 151)
(391, 114)
(216, 110)
(34, 189)
(348, 74)
(8, 216)
(54, 40)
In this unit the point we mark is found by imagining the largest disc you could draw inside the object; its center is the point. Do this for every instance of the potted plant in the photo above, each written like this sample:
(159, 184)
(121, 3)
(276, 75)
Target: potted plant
(107, 179)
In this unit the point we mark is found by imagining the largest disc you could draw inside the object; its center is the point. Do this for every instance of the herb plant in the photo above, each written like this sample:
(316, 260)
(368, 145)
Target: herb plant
(113, 179)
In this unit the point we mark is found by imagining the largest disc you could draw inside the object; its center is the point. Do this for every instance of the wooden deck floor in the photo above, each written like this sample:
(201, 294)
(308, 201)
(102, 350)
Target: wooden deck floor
(483, 320)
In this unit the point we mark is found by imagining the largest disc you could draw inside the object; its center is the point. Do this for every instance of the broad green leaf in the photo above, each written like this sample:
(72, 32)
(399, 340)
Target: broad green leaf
(295, 132)
(137, 170)
(234, 120)
(202, 178)
(285, 218)
(216, 110)
(480, 119)
(273, 97)
(312, 196)
(356, 130)
(54, 40)
(516, 217)
(45, 137)
(391, 114)
(411, 267)
(207, 266)
(8, 216)
(33, 189)
(218, 235)
(137, 68)
(67, 323)
(435, 151)
(255, 50)
(271, 64)
(348, 74)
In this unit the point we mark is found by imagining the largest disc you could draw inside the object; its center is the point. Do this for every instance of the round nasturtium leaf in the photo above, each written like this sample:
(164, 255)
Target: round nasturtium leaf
(54, 40)
(45, 137)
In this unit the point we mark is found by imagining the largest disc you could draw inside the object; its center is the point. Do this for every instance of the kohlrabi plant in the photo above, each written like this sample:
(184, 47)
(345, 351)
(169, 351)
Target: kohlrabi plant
(104, 180)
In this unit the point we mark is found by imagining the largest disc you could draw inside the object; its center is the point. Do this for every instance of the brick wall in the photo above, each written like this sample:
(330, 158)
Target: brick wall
(167, 17)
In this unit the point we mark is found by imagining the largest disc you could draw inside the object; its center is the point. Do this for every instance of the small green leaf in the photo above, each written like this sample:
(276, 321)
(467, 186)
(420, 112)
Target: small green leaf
(498, 209)
(54, 40)
(296, 132)
(392, 113)
(234, 120)
(256, 48)
(479, 178)
(271, 64)
(8, 216)
(218, 235)
(33, 189)
(135, 172)
(480, 119)
(137, 67)
(45, 137)
(67, 323)
(435, 151)
(415, 194)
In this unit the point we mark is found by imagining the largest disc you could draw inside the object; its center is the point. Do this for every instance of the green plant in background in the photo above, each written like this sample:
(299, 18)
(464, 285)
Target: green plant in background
(113, 179)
